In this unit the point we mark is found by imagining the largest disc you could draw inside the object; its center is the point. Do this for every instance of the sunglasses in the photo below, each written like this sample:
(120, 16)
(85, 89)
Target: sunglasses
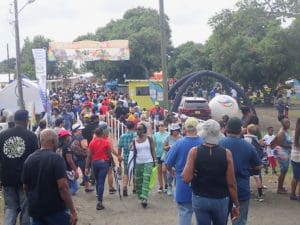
(140, 129)
(161, 125)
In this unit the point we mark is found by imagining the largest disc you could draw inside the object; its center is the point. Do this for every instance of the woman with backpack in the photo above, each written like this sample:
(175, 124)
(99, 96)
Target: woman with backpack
(72, 174)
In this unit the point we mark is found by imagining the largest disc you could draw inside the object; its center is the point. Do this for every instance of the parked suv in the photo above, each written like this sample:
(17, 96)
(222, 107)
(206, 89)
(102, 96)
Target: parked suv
(196, 107)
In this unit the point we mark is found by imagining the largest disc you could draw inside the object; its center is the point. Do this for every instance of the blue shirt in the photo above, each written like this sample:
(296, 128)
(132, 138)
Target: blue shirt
(244, 157)
(159, 139)
(177, 157)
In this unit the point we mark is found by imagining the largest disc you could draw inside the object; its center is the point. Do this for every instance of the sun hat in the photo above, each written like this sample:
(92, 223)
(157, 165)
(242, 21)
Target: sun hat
(209, 131)
(175, 126)
(63, 133)
(77, 126)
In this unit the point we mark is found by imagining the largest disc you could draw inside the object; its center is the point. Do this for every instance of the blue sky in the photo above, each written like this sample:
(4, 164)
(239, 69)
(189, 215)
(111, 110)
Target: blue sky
(64, 20)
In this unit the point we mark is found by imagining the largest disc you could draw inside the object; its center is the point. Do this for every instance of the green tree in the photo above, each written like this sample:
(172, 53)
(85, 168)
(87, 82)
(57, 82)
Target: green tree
(249, 45)
(188, 57)
(141, 27)
(27, 61)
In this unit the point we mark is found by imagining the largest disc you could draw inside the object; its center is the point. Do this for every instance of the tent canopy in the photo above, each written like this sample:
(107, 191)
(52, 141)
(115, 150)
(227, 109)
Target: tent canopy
(9, 96)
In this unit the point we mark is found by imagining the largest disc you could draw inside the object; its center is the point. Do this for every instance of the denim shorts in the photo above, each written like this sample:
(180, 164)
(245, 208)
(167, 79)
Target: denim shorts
(159, 161)
(296, 170)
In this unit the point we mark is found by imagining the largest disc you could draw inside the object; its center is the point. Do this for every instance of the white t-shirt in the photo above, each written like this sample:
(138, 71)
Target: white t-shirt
(233, 93)
(268, 139)
(288, 93)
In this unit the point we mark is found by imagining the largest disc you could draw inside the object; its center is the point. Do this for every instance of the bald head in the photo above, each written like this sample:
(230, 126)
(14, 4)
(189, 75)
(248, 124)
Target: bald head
(49, 139)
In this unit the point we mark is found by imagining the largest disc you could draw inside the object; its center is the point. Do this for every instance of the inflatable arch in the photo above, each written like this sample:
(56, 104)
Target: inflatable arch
(181, 85)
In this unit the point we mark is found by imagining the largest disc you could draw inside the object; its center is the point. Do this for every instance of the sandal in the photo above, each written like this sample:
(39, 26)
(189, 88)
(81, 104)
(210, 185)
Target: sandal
(282, 191)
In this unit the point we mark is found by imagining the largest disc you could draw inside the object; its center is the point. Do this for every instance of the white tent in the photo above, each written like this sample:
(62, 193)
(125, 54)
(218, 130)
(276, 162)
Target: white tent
(31, 95)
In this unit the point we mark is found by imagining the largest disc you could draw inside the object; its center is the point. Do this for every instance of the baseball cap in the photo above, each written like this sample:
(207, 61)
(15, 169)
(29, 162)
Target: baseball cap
(103, 125)
(77, 126)
(234, 125)
(63, 133)
(21, 115)
(191, 122)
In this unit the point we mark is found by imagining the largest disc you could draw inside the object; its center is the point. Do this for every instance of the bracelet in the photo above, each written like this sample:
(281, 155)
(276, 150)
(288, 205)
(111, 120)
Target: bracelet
(235, 206)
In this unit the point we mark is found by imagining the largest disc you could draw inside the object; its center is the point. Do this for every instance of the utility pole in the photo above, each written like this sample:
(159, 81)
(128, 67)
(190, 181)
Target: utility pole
(8, 62)
(163, 53)
(18, 59)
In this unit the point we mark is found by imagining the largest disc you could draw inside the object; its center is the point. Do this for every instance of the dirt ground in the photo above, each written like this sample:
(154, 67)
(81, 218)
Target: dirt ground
(275, 210)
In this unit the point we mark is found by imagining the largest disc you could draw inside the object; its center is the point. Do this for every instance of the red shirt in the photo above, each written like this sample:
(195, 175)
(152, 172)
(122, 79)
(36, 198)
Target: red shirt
(99, 148)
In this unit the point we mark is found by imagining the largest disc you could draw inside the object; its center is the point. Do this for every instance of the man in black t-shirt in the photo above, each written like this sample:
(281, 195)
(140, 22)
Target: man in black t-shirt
(16, 144)
(45, 182)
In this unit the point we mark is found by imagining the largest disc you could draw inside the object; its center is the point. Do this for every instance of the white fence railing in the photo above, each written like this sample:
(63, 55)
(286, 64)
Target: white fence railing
(117, 127)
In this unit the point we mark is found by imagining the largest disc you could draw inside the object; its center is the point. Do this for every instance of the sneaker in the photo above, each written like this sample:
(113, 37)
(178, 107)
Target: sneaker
(169, 191)
(259, 199)
(282, 191)
(88, 190)
(82, 184)
(294, 197)
(144, 203)
(112, 191)
(133, 191)
(166, 189)
(160, 190)
(99, 206)
(125, 193)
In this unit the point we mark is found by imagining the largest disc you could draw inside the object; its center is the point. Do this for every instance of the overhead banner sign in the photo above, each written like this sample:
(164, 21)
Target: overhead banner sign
(81, 51)
(39, 55)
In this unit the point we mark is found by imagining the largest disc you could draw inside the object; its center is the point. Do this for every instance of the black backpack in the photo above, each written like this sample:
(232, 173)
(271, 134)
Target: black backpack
(259, 149)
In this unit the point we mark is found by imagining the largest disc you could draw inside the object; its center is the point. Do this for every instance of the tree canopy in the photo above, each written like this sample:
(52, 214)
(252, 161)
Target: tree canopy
(250, 45)
(141, 27)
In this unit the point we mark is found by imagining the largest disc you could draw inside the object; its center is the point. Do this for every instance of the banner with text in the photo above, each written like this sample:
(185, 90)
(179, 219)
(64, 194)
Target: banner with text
(82, 51)
(39, 55)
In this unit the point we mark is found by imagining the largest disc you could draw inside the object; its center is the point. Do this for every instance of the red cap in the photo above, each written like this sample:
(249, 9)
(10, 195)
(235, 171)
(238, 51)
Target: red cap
(63, 133)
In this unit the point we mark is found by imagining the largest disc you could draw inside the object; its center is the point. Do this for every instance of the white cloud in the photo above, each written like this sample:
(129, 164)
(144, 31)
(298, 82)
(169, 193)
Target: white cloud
(64, 20)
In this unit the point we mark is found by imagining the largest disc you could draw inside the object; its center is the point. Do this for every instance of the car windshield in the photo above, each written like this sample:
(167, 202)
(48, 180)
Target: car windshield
(195, 103)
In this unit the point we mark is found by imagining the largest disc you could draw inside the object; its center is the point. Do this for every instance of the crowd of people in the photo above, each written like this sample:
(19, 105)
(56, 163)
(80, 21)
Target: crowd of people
(205, 165)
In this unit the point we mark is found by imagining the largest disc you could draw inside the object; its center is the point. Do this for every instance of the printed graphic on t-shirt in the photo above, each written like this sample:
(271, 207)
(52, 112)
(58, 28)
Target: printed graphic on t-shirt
(14, 147)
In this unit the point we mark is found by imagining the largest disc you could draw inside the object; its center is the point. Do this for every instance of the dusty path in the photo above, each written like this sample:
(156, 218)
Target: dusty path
(275, 210)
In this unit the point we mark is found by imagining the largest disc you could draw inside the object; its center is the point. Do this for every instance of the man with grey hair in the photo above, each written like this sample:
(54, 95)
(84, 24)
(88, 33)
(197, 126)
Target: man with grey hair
(45, 182)
(177, 157)
(16, 144)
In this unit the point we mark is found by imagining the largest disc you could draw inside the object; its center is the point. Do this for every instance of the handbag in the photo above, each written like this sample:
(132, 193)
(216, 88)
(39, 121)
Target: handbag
(153, 177)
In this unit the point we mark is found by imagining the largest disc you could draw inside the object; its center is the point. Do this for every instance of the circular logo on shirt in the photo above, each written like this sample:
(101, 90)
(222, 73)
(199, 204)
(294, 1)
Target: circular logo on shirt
(14, 147)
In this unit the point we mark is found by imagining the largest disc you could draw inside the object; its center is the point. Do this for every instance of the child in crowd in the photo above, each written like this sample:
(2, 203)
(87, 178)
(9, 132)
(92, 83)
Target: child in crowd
(268, 138)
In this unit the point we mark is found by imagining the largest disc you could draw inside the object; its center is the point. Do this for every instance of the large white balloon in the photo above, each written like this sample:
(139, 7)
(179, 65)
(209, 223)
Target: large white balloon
(222, 105)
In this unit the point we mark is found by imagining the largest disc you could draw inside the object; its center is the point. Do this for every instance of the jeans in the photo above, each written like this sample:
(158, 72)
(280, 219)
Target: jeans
(100, 169)
(244, 207)
(15, 202)
(59, 218)
(185, 212)
(208, 210)
(73, 185)
(80, 162)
